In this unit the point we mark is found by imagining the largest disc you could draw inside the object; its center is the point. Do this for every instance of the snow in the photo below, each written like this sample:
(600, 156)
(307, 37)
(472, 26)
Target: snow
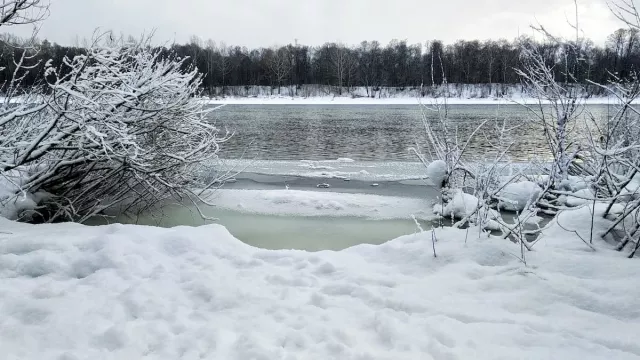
(315, 203)
(331, 169)
(574, 183)
(571, 229)
(14, 203)
(580, 197)
(516, 196)
(460, 205)
(131, 292)
(632, 189)
(437, 172)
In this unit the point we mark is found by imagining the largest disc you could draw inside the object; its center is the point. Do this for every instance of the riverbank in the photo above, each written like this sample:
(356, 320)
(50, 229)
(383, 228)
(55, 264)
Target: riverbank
(344, 100)
(123, 291)
(456, 94)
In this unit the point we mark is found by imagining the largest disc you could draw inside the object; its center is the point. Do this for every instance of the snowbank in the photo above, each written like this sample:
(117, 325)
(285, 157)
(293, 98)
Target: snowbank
(460, 205)
(130, 292)
(572, 229)
(516, 196)
(316, 203)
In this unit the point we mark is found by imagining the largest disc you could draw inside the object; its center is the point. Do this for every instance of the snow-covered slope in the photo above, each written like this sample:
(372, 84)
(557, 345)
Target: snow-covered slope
(131, 292)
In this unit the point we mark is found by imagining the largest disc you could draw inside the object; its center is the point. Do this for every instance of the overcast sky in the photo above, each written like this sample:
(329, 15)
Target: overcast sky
(257, 23)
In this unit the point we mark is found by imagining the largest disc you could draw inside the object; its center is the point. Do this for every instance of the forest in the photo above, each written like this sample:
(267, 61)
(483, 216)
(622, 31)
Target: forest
(368, 65)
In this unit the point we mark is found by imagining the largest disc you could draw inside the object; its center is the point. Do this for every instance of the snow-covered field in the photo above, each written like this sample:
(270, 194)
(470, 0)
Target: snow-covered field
(131, 292)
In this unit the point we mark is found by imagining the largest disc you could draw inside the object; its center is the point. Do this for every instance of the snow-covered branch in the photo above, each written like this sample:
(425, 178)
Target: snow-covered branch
(21, 12)
(119, 126)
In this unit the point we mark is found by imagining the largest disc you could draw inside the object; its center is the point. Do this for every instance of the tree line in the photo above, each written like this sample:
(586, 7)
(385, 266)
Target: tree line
(369, 64)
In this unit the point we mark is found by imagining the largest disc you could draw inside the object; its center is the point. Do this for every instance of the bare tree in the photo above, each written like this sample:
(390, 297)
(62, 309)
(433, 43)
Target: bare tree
(490, 50)
(564, 99)
(196, 48)
(210, 67)
(280, 65)
(369, 61)
(224, 64)
(342, 62)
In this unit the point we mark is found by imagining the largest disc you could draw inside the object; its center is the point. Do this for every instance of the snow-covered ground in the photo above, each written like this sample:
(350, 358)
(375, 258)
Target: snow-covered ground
(313, 203)
(130, 292)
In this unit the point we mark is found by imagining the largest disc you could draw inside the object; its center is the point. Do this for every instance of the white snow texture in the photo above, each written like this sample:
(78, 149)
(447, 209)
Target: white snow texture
(314, 203)
(14, 203)
(516, 196)
(437, 172)
(132, 292)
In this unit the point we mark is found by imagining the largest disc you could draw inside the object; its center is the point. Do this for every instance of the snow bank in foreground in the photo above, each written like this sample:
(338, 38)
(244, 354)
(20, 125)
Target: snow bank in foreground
(315, 203)
(132, 292)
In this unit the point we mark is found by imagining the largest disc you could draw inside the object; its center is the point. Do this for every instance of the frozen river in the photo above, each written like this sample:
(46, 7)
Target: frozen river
(327, 177)
(282, 207)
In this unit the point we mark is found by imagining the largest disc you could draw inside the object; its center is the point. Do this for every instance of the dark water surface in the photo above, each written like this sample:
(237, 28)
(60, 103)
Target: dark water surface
(369, 132)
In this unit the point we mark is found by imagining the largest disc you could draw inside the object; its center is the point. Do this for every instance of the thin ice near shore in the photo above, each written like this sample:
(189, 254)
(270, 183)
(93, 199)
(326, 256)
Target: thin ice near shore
(132, 292)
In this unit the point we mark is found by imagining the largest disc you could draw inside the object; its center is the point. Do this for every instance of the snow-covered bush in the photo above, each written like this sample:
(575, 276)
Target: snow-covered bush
(471, 188)
(120, 126)
(594, 162)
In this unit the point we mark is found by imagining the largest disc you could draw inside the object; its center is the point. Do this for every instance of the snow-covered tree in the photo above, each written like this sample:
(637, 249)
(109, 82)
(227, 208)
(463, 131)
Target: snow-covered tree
(120, 126)
(23, 12)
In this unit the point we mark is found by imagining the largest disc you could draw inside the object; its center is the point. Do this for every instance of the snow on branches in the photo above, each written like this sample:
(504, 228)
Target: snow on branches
(594, 162)
(118, 126)
(22, 12)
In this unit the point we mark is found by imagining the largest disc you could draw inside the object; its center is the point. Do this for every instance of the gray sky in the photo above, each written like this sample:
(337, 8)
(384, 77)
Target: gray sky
(257, 23)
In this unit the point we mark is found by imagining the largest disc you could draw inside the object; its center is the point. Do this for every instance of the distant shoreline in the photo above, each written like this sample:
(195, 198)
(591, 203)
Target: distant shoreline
(343, 100)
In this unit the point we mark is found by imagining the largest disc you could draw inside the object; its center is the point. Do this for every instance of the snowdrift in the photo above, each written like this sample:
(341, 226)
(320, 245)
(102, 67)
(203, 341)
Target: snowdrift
(131, 292)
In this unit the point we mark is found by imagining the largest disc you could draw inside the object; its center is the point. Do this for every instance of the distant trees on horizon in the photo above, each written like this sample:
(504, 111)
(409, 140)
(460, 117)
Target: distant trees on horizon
(370, 64)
